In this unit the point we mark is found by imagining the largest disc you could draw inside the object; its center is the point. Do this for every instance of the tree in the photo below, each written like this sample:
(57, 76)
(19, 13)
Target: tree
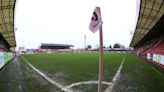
(122, 46)
(110, 46)
(117, 45)
(89, 47)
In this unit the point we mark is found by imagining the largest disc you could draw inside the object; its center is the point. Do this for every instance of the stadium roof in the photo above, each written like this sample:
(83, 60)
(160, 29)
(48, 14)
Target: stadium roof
(7, 21)
(150, 13)
(50, 44)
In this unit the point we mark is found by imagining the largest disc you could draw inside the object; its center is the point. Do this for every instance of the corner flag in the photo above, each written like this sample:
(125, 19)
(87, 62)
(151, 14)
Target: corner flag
(96, 21)
(96, 24)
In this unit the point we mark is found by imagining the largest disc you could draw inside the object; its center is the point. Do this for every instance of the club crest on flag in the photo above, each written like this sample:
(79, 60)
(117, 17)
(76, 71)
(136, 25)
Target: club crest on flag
(96, 20)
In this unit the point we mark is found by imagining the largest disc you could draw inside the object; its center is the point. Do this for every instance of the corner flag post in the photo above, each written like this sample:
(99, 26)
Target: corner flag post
(101, 60)
(96, 24)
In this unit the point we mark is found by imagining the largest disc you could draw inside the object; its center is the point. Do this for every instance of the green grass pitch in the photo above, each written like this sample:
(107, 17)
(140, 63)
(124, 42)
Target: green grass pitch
(68, 68)
(76, 66)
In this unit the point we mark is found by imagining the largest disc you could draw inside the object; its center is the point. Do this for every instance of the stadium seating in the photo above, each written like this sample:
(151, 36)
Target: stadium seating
(151, 51)
(158, 48)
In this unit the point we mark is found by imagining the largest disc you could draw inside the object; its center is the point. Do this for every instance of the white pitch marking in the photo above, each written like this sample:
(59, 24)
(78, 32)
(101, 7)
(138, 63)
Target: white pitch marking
(116, 76)
(47, 78)
(67, 88)
(86, 82)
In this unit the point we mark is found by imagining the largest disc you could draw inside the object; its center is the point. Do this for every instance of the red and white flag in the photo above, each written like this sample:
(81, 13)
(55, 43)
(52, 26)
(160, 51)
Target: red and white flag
(96, 20)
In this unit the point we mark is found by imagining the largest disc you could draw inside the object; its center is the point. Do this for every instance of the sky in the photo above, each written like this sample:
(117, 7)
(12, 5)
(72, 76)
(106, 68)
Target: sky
(67, 22)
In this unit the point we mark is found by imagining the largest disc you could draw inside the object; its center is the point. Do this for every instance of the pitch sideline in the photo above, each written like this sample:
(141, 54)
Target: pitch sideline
(116, 76)
(67, 88)
(46, 77)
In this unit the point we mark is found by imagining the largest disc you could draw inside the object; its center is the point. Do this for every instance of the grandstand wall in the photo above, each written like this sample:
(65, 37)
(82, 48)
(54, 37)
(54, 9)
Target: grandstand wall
(148, 38)
(7, 34)
(5, 57)
(5, 53)
(3, 44)
(55, 46)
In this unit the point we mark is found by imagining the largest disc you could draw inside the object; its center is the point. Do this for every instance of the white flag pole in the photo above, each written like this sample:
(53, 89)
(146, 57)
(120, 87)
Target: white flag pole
(101, 59)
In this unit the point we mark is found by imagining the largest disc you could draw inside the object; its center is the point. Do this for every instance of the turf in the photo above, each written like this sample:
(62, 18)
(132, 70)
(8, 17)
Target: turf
(76, 66)
(138, 76)
(33, 82)
(67, 68)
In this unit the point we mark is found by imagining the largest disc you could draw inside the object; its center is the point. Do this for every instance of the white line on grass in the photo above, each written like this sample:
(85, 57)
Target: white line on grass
(86, 82)
(47, 78)
(116, 76)
(67, 88)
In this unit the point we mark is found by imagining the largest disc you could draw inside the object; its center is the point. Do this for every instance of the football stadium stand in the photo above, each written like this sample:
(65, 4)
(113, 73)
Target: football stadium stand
(7, 35)
(7, 21)
(55, 46)
(148, 38)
